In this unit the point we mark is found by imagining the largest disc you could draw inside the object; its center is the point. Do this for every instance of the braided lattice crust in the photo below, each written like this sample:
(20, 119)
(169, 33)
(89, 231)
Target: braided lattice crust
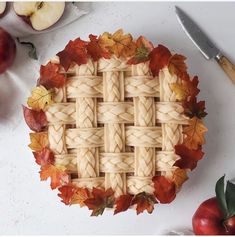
(114, 125)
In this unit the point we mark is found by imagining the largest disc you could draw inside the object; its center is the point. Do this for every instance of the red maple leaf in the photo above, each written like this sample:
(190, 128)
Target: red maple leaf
(50, 76)
(44, 157)
(177, 65)
(100, 200)
(36, 120)
(66, 193)
(144, 201)
(188, 158)
(193, 108)
(165, 189)
(159, 58)
(122, 203)
(74, 52)
(95, 50)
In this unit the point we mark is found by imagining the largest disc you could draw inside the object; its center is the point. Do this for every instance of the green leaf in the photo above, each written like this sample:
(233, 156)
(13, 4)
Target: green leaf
(220, 195)
(32, 52)
(230, 198)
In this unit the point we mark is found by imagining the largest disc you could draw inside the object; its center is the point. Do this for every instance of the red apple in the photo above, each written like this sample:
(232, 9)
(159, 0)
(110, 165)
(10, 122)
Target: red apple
(39, 15)
(7, 50)
(215, 216)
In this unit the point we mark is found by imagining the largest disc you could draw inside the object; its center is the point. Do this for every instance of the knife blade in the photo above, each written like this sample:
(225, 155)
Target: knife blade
(204, 43)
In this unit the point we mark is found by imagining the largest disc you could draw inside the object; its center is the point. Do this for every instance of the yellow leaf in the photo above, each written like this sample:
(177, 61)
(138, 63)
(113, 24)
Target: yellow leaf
(106, 41)
(38, 141)
(180, 91)
(40, 97)
(179, 177)
(80, 196)
(194, 133)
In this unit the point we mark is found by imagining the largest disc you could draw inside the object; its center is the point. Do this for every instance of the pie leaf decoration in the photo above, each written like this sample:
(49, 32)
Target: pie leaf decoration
(38, 141)
(119, 44)
(144, 201)
(39, 98)
(57, 175)
(36, 120)
(80, 196)
(195, 133)
(143, 49)
(188, 157)
(122, 203)
(159, 58)
(164, 189)
(95, 49)
(192, 108)
(179, 177)
(176, 65)
(74, 52)
(50, 76)
(99, 201)
(44, 157)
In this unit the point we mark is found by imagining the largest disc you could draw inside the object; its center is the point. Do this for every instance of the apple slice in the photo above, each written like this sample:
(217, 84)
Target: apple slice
(3, 7)
(40, 15)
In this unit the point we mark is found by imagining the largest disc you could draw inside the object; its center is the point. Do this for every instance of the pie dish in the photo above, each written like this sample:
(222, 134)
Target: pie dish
(116, 123)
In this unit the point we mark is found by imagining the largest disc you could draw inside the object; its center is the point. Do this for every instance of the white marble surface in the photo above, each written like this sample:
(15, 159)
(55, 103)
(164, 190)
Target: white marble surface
(28, 206)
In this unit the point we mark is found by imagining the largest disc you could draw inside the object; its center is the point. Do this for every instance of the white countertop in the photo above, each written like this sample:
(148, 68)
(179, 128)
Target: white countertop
(28, 206)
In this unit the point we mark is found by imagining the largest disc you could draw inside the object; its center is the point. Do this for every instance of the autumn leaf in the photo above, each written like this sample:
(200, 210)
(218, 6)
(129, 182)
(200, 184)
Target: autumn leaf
(95, 49)
(188, 158)
(176, 65)
(39, 98)
(44, 157)
(179, 177)
(118, 43)
(186, 89)
(194, 133)
(144, 201)
(36, 120)
(57, 175)
(80, 196)
(165, 189)
(122, 203)
(74, 52)
(50, 76)
(192, 108)
(38, 141)
(66, 193)
(159, 58)
(143, 49)
(99, 201)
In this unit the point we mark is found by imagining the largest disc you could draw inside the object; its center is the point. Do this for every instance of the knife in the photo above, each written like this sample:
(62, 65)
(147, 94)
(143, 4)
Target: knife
(204, 44)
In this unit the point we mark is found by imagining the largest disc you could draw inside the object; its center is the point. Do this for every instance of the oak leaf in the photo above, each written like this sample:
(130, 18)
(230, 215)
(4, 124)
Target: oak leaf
(192, 108)
(188, 157)
(74, 52)
(36, 120)
(179, 177)
(143, 49)
(44, 157)
(122, 203)
(39, 98)
(194, 133)
(176, 65)
(159, 58)
(95, 49)
(57, 175)
(38, 141)
(99, 201)
(144, 201)
(50, 76)
(164, 189)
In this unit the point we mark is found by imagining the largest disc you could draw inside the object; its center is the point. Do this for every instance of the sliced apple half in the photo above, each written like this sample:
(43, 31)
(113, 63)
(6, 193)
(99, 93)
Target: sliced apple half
(3, 7)
(40, 15)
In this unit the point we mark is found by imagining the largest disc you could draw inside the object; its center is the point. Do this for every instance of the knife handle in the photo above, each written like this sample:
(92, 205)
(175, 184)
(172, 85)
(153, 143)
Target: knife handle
(227, 66)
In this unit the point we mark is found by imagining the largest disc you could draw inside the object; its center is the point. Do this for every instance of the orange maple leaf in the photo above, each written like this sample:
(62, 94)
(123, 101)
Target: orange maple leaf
(176, 65)
(194, 133)
(165, 189)
(50, 76)
(57, 174)
(39, 140)
(179, 176)
(74, 52)
(81, 195)
(44, 157)
(144, 201)
(122, 203)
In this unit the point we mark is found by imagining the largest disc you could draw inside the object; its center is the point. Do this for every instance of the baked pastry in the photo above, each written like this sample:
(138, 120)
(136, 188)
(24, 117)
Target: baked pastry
(116, 123)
